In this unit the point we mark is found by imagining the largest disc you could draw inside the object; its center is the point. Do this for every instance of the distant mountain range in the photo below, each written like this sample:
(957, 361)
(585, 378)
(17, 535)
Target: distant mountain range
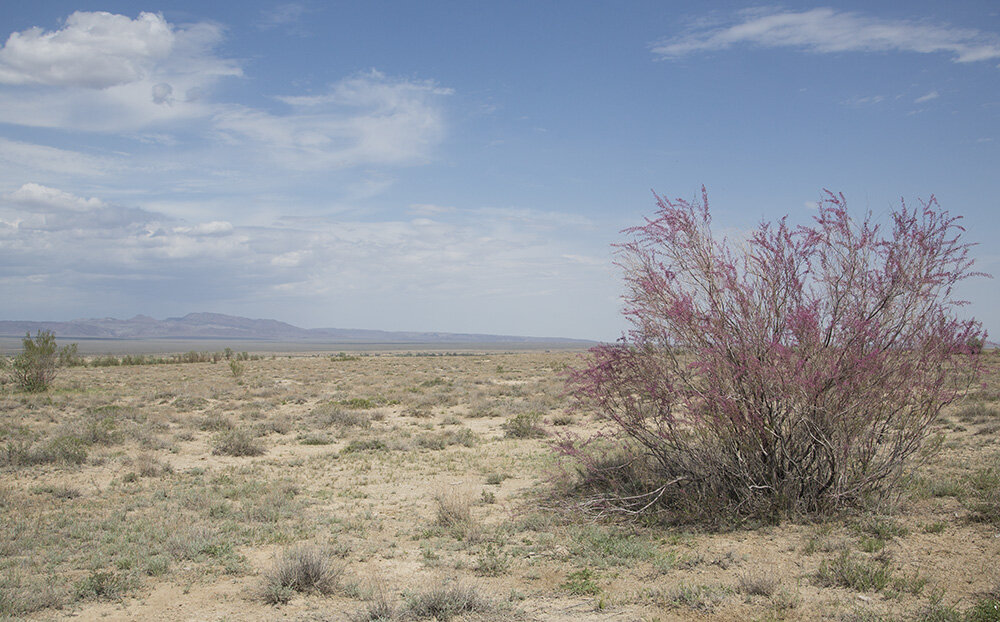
(219, 326)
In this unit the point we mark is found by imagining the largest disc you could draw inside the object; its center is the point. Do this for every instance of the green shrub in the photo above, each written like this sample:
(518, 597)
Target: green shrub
(524, 425)
(493, 561)
(237, 368)
(34, 369)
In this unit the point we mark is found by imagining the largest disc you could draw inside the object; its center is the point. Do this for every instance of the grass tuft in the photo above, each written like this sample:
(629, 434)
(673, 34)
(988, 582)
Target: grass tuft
(757, 584)
(445, 602)
(303, 568)
(454, 510)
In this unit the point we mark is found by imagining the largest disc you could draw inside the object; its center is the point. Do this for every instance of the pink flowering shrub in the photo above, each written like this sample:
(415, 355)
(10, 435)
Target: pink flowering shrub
(798, 372)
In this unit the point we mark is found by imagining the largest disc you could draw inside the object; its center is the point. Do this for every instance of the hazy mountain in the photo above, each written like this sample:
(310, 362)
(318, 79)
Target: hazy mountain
(219, 326)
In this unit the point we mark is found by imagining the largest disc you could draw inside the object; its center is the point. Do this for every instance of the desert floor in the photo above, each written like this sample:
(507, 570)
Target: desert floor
(408, 486)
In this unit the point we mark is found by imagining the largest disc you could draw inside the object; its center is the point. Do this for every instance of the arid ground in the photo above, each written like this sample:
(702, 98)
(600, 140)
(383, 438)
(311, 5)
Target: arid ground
(408, 486)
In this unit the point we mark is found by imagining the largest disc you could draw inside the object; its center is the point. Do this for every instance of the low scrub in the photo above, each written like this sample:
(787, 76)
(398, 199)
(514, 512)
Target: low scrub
(341, 416)
(237, 442)
(303, 568)
(441, 440)
(60, 449)
(104, 585)
(447, 601)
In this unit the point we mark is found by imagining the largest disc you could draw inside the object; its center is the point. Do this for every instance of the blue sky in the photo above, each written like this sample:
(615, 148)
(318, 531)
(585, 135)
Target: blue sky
(459, 166)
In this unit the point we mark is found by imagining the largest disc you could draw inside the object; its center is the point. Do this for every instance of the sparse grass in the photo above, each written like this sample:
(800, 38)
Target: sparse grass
(984, 610)
(862, 575)
(978, 413)
(21, 595)
(936, 527)
(604, 546)
(582, 583)
(378, 610)
(106, 585)
(984, 499)
(697, 596)
(909, 584)
(881, 527)
(62, 449)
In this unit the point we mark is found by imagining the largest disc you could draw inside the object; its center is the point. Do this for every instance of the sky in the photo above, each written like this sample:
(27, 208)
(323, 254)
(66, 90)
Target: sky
(460, 166)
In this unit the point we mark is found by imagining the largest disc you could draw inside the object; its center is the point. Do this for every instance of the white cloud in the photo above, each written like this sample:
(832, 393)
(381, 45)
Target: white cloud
(869, 100)
(365, 119)
(927, 97)
(92, 50)
(284, 15)
(428, 209)
(36, 195)
(825, 30)
(35, 207)
(146, 78)
(100, 50)
(214, 228)
(21, 156)
(107, 72)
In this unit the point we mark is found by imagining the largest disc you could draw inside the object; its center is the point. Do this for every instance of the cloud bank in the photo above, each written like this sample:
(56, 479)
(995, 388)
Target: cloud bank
(87, 249)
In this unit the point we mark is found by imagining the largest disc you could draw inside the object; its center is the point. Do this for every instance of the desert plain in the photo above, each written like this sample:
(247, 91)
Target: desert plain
(419, 485)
